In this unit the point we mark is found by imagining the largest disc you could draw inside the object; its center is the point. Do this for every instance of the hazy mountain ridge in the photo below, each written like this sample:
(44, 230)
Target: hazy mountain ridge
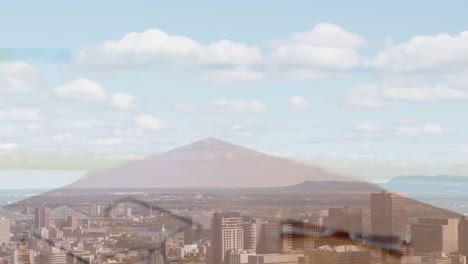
(332, 186)
(209, 163)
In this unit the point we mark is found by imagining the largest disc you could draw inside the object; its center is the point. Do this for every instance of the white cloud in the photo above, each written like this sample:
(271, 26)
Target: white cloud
(189, 108)
(311, 55)
(224, 106)
(19, 77)
(148, 122)
(382, 95)
(303, 74)
(107, 141)
(8, 146)
(401, 130)
(423, 130)
(20, 114)
(298, 103)
(441, 52)
(223, 77)
(368, 129)
(326, 46)
(62, 137)
(155, 48)
(81, 90)
(123, 100)
(238, 106)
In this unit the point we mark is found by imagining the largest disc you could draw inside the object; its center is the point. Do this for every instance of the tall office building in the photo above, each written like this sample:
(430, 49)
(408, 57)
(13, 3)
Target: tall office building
(389, 220)
(41, 217)
(95, 210)
(4, 231)
(227, 234)
(252, 232)
(270, 238)
(52, 256)
(200, 228)
(71, 222)
(345, 219)
(157, 256)
(22, 255)
(463, 236)
(304, 236)
(434, 235)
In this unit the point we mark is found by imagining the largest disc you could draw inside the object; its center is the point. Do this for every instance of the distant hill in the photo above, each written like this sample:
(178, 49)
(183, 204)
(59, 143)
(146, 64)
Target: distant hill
(332, 186)
(209, 163)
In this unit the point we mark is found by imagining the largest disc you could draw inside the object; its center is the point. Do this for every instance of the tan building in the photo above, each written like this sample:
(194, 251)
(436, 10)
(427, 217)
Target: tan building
(22, 255)
(434, 235)
(271, 239)
(388, 219)
(41, 217)
(345, 219)
(239, 256)
(344, 254)
(4, 231)
(274, 259)
(463, 236)
(252, 232)
(227, 234)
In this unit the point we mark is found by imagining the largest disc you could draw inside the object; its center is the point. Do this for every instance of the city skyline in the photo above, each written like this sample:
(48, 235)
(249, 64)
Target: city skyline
(376, 229)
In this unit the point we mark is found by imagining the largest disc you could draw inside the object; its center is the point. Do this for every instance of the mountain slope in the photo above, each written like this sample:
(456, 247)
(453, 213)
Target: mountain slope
(209, 163)
(332, 187)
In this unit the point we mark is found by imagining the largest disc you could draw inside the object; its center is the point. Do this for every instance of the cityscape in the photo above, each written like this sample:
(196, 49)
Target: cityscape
(129, 231)
(233, 132)
(312, 222)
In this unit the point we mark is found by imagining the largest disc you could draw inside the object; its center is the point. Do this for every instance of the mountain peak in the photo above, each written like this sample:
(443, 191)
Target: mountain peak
(209, 162)
(211, 141)
(212, 147)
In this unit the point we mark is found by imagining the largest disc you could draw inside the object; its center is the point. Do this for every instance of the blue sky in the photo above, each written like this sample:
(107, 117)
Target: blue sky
(365, 88)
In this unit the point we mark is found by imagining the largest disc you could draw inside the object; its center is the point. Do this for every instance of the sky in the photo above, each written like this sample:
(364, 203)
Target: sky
(369, 89)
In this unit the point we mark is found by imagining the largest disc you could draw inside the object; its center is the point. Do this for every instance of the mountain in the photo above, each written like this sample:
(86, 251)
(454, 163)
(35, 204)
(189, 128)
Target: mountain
(332, 186)
(209, 163)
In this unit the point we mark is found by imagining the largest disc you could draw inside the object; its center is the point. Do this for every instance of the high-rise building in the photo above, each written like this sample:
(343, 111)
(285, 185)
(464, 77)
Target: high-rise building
(128, 211)
(22, 255)
(434, 235)
(271, 238)
(4, 231)
(279, 237)
(41, 217)
(286, 237)
(157, 256)
(389, 220)
(345, 219)
(200, 228)
(72, 222)
(227, 234)
(305, 236)
(252, 232)
(146, 210)
(463, 236)
(95, 210)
